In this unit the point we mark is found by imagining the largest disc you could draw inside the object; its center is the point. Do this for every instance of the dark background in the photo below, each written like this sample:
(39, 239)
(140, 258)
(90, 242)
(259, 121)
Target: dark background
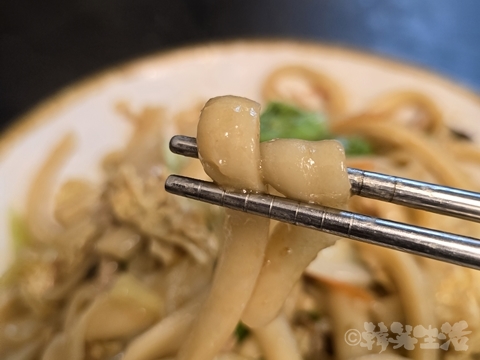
(47, 44)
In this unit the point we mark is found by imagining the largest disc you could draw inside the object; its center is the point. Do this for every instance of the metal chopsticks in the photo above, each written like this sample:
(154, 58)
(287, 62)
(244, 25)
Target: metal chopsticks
(452, 248)
(415, 194)
(438, 245)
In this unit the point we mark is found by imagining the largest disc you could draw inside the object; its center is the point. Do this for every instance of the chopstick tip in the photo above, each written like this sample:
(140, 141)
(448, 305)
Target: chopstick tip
(184, 145)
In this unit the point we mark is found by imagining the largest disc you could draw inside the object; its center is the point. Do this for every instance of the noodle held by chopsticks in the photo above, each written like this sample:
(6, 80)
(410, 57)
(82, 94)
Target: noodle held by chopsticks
(228, 146)
(303, 170)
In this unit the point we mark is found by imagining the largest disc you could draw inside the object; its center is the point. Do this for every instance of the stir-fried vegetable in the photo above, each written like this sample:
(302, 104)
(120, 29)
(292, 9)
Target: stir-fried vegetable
(285, 121)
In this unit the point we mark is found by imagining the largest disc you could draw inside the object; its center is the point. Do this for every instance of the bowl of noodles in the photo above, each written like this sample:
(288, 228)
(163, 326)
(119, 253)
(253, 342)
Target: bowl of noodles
(99, 262)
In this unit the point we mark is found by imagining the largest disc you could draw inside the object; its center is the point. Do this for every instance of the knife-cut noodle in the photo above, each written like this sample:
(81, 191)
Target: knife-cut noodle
(228, 130)
(122, 270)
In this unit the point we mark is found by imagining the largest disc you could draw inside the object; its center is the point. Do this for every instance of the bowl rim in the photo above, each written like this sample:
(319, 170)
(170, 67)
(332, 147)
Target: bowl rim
(46, 108)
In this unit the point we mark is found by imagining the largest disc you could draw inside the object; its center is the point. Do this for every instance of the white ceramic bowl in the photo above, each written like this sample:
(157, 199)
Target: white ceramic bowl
(181, 78)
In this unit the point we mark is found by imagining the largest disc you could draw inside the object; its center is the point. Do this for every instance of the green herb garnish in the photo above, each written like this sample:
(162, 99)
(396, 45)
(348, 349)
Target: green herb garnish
(241, 331)
(355, 146)
(285, 121)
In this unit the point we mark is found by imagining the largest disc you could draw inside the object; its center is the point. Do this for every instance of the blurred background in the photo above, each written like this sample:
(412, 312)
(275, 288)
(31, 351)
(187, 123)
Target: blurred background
(46, 45)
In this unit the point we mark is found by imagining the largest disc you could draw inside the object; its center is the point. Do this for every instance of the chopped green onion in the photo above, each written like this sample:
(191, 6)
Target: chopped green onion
(355, 146)
(284, 121)
(241, 331)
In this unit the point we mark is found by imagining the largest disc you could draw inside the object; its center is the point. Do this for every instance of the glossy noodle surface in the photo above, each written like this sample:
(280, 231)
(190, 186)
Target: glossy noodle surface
(228, 130)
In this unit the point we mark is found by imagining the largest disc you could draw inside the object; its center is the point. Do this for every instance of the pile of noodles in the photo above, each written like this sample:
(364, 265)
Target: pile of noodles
(123, 270)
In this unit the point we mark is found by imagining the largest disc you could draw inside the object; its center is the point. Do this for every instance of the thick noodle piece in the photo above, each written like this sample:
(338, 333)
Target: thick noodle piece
(228, 142)
(228, 146)
(307, 171)
(311, 171)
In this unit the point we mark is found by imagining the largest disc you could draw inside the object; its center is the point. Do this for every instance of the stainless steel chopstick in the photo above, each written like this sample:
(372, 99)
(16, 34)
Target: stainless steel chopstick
(452, 248)
(415, 194)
